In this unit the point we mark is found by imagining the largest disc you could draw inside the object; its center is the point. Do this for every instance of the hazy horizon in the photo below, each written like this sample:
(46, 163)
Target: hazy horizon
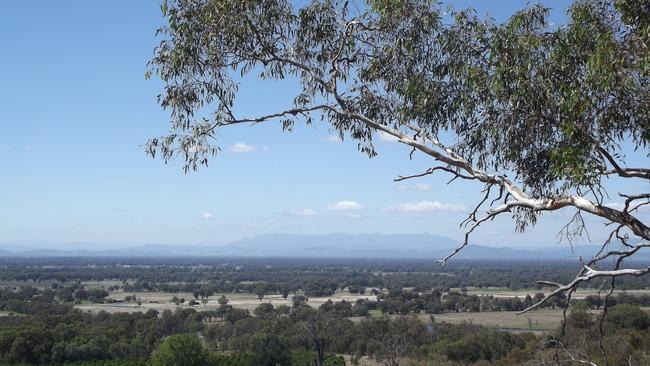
(52, 244)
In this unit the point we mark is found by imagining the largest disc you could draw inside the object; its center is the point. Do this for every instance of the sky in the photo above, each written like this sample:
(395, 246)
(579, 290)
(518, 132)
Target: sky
(76, 111)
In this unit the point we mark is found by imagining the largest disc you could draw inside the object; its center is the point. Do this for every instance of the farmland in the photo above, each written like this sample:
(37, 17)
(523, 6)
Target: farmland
(501, 292)
(539, 321)
(264, 308)
(161, 301)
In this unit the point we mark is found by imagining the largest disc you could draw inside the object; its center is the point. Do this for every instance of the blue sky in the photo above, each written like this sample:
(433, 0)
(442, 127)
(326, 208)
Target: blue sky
(76, 110)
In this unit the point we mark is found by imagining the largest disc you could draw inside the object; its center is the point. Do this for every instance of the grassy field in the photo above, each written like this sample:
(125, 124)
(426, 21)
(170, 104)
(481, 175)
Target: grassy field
(161, 301)
(539, 320)
(505, 293)
(374, 313)
(101, 284)
(536, 320)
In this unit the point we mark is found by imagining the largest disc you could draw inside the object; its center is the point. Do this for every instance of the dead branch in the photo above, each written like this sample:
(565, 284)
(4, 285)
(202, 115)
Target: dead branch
(587, 274)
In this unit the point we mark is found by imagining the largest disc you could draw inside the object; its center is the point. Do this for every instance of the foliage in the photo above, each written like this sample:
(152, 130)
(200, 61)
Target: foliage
(180, 349)
(629, 316)
(55, 334)
(522, 96)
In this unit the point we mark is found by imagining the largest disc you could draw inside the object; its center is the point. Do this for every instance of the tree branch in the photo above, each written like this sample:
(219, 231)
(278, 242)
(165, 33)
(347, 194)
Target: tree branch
(292, 112)
(586, 274)
(624, 172)
(430, 171)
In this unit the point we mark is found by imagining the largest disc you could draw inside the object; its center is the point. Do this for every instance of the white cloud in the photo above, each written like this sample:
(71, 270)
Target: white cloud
(425, 206)
(241, 147)
(383, 136)
(207, 216)
(344, 206)
(307, 212)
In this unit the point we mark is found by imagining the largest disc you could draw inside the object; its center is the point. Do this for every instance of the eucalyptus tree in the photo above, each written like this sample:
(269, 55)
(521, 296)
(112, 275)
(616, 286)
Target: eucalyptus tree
(535, 113)
(319, 330)
(180, 349)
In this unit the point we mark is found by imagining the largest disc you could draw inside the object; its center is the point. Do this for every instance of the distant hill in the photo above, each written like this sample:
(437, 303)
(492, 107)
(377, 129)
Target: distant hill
(341, 245)
(420, 246)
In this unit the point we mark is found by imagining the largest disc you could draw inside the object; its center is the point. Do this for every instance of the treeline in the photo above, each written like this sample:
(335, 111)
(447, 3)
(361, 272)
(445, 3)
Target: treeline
(436, 302)
(47, 332)
(294, 337)
(623, 338)
(314, 277)
(305, 336)
(393, 302)
(44, 331)
(597, 302)
(406, 302)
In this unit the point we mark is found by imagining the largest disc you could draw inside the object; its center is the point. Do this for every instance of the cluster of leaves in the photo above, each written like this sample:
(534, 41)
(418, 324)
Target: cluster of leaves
(525, 96)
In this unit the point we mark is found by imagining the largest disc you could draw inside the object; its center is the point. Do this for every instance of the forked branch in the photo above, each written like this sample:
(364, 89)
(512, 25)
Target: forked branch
(587, 274)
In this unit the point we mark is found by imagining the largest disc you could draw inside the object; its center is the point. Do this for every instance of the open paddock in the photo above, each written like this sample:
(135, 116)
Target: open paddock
(162, 301)
(501, 292)
(537, 320)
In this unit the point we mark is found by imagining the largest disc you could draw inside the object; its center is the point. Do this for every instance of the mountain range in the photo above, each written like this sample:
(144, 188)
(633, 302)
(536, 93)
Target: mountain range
(420, 246)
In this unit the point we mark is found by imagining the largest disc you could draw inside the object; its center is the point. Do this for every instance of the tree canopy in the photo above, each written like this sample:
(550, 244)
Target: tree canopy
(180, 349)
(536, 112)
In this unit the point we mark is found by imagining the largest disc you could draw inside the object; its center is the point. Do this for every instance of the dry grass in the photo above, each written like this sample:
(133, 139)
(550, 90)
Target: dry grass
(161, 301)
(507, 293)
(538, 320)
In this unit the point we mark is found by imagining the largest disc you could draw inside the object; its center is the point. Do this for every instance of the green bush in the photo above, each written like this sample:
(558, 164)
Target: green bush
(180, 349)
